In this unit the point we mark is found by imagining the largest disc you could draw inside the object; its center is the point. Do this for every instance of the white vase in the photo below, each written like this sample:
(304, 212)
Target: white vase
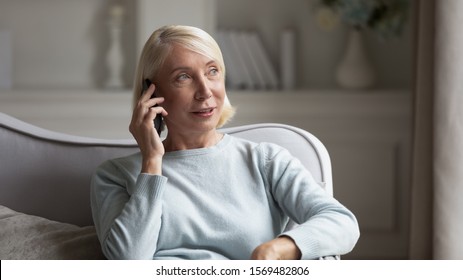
(115, 60)
(355, 70)
(115, 55)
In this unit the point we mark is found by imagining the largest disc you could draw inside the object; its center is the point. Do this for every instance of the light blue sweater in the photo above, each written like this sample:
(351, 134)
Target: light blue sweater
(216, 203)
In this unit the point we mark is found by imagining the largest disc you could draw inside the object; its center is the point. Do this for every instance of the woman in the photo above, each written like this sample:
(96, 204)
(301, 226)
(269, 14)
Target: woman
(200, 194)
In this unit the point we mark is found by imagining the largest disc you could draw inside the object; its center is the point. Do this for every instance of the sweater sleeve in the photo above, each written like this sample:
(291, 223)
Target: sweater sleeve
(326, 227)
(127, 214)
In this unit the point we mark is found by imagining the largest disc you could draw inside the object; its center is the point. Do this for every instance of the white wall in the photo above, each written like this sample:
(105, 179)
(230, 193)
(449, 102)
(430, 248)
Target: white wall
(152, 14)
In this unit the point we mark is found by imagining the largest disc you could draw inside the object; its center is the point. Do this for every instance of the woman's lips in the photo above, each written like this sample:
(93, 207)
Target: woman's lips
(204, 112)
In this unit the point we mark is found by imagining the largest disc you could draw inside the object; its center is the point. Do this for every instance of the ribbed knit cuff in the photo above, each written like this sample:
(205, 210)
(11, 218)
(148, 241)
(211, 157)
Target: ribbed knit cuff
(149, 185)
(305, 242)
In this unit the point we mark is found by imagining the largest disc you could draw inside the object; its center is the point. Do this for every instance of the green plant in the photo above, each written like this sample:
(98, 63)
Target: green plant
(385, 17)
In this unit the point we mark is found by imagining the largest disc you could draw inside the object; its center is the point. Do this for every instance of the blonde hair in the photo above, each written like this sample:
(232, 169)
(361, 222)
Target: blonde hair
(159, 46)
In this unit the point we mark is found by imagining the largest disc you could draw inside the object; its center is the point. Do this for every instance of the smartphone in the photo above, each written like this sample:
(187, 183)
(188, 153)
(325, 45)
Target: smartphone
(158, 119)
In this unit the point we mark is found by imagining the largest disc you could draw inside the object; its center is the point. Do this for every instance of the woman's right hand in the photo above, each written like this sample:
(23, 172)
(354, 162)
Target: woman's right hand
(143, 130)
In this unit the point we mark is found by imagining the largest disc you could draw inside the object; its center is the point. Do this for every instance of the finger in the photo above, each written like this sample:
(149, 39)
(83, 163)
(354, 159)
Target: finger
(154, 101)
(143, 106)
(146, 95)
(154, 111)
(147, 112)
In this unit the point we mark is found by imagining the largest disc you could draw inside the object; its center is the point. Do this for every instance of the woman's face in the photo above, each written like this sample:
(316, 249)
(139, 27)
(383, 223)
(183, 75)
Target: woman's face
(193, 88)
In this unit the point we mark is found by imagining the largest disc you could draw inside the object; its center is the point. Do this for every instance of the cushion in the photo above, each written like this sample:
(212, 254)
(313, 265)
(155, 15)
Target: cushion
(25, 236)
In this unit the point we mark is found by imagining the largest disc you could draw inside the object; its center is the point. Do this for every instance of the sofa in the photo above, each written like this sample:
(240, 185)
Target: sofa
(45, 179)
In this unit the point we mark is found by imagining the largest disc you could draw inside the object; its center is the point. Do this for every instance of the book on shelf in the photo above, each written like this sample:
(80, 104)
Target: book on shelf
(247, 62)
(254, 67)
(233, 76)
(271, 77)
(241, 62)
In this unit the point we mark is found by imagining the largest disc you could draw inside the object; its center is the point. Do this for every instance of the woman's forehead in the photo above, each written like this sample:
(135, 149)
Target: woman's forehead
(181, 56)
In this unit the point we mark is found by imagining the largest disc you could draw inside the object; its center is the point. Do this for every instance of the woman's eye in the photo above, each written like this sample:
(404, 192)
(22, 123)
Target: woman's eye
(182, 77)
(213, 71)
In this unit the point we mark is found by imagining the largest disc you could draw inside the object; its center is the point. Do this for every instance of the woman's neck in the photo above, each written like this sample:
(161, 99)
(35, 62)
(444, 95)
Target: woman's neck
(178, 142)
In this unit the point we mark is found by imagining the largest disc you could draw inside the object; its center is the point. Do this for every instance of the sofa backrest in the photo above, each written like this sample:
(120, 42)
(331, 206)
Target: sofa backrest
(48, 174)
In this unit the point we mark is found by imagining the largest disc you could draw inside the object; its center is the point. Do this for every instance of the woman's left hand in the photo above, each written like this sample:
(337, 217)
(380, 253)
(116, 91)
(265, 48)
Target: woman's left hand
(281, 248)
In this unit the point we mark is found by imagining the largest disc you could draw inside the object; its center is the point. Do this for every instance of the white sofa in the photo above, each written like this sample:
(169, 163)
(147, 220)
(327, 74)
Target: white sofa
(44, 191)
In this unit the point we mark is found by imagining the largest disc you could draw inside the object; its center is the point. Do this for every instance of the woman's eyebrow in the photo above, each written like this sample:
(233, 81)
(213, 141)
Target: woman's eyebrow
(211, 62)
(186, 68)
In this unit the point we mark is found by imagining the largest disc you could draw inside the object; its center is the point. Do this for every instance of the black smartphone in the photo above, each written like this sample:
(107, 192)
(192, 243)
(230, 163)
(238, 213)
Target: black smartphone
(158, 119)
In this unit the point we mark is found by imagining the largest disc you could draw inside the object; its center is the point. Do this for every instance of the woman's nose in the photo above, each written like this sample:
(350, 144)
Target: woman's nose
(203, 91)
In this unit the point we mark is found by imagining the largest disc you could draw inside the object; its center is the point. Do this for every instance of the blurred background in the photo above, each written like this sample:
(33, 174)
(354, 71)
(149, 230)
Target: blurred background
(64, 44)
(68, 65)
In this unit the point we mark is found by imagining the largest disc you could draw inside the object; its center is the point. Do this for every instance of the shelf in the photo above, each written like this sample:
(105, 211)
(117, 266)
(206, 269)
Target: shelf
(105, 114)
